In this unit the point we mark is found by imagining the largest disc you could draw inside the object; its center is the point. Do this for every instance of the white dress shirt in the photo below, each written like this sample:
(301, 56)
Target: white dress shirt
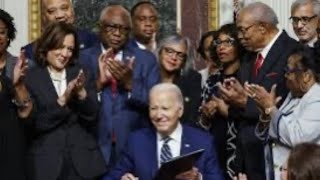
(59, 81)
(174, 143)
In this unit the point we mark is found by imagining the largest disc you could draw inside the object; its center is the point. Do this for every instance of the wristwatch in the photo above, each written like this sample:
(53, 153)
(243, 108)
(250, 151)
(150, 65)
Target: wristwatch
(268, 110)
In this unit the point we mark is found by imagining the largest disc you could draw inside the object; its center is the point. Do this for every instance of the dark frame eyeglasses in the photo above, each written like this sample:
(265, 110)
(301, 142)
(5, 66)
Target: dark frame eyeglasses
(243, 30)
(304, 19)
(170, 52)
(108, 27)
(228, 42)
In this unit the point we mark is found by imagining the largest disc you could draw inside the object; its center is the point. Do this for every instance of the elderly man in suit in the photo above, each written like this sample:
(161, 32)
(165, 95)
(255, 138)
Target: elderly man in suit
(61, 10)
(124, 75)
(264, 65)
(148, 148)
(304, 18)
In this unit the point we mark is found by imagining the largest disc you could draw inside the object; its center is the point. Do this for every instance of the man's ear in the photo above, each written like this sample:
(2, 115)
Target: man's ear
(181, 110)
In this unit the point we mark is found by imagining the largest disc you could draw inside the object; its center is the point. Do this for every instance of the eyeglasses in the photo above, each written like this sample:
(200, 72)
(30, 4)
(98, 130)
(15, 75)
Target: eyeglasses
(304, 19)
(228, 42)
(171, 52)
(287, 70)
(114, 27)
(243, 30)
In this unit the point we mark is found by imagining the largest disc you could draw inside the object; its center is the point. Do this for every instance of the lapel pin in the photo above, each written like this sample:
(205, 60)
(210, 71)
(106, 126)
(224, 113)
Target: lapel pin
(81, 46)
(187, 145)
(186, 99)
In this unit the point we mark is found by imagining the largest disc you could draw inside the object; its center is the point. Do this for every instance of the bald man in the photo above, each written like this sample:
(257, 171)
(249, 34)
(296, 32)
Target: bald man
(61, 10)
(124, 75)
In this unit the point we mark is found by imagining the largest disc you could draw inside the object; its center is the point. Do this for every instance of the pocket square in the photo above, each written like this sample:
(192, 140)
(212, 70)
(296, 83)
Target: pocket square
(272, 74)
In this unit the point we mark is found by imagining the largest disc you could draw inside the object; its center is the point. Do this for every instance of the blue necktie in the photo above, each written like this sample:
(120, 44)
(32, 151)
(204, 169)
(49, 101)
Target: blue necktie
(166, 154)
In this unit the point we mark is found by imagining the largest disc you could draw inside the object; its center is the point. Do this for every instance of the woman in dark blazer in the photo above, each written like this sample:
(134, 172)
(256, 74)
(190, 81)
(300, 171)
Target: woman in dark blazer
(63, 145)
(175, 57)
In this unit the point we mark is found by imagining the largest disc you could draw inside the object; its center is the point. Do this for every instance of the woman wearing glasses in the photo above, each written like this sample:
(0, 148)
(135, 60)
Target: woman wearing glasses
(297, 120)
(175, 58)
(214, 111)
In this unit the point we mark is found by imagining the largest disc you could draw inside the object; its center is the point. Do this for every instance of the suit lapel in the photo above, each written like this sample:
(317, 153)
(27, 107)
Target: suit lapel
(272, 56)
(47, 83)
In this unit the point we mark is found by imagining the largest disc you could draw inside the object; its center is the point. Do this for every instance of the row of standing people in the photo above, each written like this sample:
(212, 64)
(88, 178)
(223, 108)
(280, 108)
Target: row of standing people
(177, 48)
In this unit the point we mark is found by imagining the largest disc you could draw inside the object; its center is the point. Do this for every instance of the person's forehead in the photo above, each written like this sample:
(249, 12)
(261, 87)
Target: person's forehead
(116, 15)
(304, 9)
(144, 8)
(54, 3)
(244, 18)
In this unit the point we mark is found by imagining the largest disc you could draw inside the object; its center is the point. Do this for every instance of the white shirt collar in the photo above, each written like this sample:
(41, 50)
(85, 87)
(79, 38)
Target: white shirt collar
(176, 135)
(311, 43)
(118, 56)
(141, 46)
(266, 50)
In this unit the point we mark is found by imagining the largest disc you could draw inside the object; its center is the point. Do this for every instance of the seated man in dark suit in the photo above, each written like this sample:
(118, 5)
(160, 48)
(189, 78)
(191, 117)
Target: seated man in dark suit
(61, 10)
(148, 148)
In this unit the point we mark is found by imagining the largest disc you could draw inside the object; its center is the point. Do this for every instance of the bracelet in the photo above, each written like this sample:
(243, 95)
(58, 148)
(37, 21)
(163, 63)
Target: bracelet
(22, 104)
(200, 123)
(264, 120)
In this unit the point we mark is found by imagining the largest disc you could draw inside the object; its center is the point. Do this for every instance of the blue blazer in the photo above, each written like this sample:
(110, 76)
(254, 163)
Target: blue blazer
(127, 111)
(140, 156)
(86, 39)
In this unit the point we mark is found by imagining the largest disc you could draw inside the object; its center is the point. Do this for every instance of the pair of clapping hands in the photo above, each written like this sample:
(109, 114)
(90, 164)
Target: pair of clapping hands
(234, 93)
(110, 68)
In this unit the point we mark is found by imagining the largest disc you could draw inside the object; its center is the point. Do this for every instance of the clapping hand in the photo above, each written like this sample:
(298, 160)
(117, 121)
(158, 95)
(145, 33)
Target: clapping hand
(232, 92)
(122, 72)
(104, 73)
(209, 108)
(80, 85)
(261, 96)
(20, 69)
(74, 87)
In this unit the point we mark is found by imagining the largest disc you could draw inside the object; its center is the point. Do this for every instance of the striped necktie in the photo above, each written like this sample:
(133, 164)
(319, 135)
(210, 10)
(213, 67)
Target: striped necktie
(166, 154)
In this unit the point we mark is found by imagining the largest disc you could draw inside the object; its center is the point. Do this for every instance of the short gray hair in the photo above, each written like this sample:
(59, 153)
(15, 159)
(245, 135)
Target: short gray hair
(109, 7)
(168, 87)
(299, 3)
(175, 39)
(261, 13)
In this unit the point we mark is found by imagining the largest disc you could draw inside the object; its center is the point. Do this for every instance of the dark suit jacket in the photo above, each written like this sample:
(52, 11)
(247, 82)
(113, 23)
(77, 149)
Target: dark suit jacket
(140, 156)
(190, 85)
(86, 39)
(58, 131)
(250, 158)
(122, 114)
